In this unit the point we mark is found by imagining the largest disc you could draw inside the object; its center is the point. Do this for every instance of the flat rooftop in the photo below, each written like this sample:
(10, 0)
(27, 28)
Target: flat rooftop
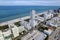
(34, 35)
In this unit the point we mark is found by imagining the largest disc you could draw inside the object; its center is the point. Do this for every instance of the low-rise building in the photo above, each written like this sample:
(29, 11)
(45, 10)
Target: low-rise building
(48, 32)
(14, 29)
(34, 35)
(58, 14)
(26, 25)
(21, 29)
(40, 19)
(55, 35)
(1, 35)
(48, 15)
(54, 22)
(7, 34)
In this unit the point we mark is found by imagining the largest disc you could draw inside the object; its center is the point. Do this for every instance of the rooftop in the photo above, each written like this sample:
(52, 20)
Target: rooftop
(21, 29)
(54, 22)
(35, 35)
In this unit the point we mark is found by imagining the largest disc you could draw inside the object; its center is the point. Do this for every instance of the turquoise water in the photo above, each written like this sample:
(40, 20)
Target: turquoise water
(12, 12)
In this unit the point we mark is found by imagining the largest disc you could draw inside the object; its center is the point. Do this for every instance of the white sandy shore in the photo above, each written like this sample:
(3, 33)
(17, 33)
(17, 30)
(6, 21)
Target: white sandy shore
(16, 20)
(12, 21)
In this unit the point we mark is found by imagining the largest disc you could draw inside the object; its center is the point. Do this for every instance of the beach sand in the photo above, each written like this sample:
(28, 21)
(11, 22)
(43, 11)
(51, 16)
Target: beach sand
(16, 20)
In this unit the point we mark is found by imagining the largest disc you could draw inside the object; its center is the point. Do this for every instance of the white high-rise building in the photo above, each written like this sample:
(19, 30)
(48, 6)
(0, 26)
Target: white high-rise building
(32, 15)
(32, 18)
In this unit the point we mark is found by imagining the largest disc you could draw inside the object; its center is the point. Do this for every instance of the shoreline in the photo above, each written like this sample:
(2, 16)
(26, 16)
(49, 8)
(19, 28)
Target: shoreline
(18, 19)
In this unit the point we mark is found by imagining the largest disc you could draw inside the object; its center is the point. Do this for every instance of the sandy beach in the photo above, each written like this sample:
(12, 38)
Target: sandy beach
(16, 20)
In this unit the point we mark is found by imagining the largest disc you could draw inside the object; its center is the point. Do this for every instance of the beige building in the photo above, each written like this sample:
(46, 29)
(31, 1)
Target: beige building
(55, 35)
(58, 14)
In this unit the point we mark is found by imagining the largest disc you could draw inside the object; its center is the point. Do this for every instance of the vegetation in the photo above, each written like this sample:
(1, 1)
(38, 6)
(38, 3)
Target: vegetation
(17, 23)
(20, 35)
(46, 28)
(27, 20)
(41, 15)
(46, 38)
(4, 27)
(10, 36)
(42, 27)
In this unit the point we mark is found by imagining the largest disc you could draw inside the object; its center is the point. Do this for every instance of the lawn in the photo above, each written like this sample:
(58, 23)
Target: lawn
(4, 27)
(46, 38)
(27, 20)
(17, 23)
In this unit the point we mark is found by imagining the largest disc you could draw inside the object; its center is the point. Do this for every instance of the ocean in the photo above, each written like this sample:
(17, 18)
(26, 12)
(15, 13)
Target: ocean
(12, 12)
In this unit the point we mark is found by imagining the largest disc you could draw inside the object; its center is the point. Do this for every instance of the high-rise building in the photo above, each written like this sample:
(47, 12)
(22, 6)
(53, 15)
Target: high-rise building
(32, 18)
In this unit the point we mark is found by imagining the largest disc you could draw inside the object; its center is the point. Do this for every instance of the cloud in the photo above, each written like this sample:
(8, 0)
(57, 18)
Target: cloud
(37, 3)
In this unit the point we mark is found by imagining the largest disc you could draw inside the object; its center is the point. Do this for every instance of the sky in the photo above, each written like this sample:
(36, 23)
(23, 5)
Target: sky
(30, 2)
